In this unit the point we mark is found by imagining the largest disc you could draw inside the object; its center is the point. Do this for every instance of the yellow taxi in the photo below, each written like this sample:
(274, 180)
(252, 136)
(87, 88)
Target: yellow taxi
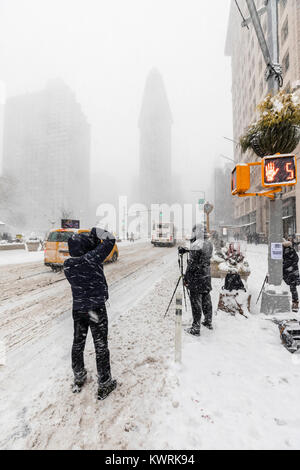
(56, 249)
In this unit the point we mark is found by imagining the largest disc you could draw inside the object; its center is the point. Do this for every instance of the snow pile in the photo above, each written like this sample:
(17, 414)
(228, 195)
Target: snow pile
(234, 302)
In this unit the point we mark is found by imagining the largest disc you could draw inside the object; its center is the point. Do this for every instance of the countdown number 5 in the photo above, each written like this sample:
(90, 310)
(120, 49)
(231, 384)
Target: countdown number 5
(290, 171)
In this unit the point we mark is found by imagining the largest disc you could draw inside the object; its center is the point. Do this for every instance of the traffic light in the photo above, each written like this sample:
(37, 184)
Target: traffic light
(240, 179)
(279, 170)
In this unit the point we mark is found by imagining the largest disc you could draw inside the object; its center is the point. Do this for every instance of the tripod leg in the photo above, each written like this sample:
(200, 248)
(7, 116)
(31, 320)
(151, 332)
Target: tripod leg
(182, 277)
(173, 296)
(184, 295)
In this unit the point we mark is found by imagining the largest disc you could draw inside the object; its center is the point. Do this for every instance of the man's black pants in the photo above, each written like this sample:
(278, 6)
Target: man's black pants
(294, 292)
(200, 302)
(96, 319)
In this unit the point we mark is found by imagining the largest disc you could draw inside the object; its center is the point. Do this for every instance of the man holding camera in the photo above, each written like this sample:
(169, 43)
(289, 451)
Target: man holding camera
(84, 271)
(198, 279)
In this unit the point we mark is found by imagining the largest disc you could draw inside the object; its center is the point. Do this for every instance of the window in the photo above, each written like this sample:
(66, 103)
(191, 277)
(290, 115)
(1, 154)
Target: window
(59, 236)
(286, 63)
(285, 31)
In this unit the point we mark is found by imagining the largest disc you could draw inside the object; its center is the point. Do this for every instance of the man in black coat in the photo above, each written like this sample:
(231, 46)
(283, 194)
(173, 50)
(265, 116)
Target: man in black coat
(198, 279)
(84, 271)
(291, 272)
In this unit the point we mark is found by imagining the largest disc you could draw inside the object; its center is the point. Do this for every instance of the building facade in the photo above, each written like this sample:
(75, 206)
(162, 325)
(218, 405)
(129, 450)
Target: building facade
(222, 215)
(249, 88)
(46, 152)
(155, 125)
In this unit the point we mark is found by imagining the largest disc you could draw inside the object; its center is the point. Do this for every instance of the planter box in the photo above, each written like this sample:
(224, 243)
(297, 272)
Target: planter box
(218, 274)
(33, 246)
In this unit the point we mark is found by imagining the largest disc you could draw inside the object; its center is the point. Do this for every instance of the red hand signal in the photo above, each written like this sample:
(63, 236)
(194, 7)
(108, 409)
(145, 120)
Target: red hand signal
(271, 172)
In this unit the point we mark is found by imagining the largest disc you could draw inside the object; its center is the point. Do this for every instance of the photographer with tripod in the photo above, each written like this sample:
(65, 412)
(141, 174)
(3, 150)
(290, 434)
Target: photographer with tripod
(197, 279)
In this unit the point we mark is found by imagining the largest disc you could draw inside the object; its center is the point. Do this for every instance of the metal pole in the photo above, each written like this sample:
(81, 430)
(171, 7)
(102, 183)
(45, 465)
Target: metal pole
(207, 223)
(178, 328)
(259, 31)
(275, 226)
(270, 49)
(273, 41)
(275, 242)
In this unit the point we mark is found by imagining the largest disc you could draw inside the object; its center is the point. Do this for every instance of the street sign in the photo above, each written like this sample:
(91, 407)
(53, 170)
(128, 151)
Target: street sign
(276, 251)
(279, 170)
(240, 179)
(68, 223)
(208, 208)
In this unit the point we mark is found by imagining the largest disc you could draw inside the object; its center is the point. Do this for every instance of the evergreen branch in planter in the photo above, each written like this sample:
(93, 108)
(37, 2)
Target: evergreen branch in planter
(278, 127)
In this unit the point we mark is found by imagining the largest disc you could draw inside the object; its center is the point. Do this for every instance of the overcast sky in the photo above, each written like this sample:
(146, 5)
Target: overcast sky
(104, 50)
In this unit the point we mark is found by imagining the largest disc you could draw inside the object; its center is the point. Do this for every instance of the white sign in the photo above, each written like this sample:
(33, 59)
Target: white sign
(225, 232)
(276, 250)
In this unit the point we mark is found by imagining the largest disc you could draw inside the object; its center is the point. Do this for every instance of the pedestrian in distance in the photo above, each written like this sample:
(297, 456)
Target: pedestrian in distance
(295, 242)
(291, 271)
(198, 279)
(84, 271)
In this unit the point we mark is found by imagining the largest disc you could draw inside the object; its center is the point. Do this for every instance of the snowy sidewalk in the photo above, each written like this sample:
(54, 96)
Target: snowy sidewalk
(238, 388)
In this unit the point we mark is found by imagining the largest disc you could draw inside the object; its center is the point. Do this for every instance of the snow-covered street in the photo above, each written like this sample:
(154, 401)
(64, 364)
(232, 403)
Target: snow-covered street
(236, 388)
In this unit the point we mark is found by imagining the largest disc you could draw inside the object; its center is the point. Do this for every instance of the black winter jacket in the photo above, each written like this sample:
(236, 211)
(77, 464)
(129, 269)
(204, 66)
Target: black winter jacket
(84, 270)
(290, 265)
(198, 275)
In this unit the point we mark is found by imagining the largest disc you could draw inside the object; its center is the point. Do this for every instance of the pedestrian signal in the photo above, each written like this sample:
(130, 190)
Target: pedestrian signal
(240, 179)
(279, 170)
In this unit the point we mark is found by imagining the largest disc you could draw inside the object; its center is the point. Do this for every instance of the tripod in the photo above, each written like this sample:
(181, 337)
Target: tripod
(181, 277)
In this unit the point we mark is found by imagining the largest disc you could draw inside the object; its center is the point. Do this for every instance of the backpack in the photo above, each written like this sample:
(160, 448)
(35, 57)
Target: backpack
(233, 281)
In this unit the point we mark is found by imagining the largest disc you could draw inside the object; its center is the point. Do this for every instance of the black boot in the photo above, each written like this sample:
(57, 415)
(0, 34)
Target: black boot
(79, 381)
(207, 324)
(193, 331)
(106, 388)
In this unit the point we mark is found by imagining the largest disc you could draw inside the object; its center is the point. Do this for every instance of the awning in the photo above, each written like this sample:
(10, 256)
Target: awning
(2, 223)
(287, 217)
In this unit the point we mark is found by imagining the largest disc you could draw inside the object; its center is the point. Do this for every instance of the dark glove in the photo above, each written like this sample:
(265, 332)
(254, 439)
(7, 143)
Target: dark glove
(182, 250)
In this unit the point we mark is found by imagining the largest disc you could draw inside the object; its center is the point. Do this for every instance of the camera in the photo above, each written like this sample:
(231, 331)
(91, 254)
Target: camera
(182, 250)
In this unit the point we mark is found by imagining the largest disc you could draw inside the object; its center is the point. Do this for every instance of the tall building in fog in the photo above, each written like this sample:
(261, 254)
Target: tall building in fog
(47, 153)
(249, 88)
(222, 198)
(155, 124)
